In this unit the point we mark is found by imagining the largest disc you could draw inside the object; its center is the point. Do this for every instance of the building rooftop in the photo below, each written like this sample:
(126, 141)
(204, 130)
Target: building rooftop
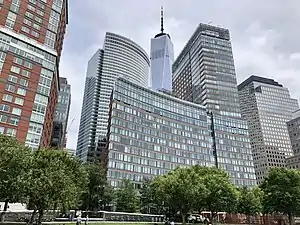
(263, 80)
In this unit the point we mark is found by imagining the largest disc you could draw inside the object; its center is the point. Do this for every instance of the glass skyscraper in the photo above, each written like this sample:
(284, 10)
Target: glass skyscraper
(204, 73)
(267, 106)
(162, 58)
(120, 57)
(151, 133)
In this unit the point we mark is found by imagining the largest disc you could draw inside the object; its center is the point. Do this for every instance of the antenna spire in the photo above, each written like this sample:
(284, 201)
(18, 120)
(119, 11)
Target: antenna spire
(162, 19)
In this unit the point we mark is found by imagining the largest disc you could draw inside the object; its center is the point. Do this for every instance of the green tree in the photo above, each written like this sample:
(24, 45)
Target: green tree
(147, 198)
(56, 181)
(98, 193)
(127, 198)
(222, 196)
(14, 161)
(281, 192)
(249, 201)
(181, 189)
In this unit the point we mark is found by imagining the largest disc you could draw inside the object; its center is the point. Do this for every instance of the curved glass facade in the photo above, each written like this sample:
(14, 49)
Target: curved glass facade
(151, 133)
(120, 57)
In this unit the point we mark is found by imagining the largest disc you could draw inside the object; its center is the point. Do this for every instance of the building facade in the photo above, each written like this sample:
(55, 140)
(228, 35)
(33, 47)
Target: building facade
(204, 73)
(62, 111)
(294, 132)
(293, 162)
(162, 58)
(120, 57)
(267, 107)
(31, 40)
(151, 133)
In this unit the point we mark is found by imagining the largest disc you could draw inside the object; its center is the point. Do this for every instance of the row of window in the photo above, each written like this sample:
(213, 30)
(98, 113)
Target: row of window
(8, 131)
(10, 98)
(6, 108)
(9, 120)
(14, 89)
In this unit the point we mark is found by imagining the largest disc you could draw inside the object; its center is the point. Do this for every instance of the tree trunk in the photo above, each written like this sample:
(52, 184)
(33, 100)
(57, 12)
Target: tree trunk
(2, 216)
(183, 215)
(32, 217)
(291, 222)
(41, 214)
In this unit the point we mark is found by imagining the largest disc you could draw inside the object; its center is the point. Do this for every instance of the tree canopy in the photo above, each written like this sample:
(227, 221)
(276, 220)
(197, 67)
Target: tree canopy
(98, 193)
(127, 198)
(281, 192)
(14, 160)
(56, 181)
(250, 201)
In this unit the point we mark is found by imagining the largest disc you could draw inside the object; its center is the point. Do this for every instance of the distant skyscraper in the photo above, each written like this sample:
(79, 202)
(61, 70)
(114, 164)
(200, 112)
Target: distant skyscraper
(162, 58)
(204, 73)
(31, 40)
(62, 111)
(294, 131)
(267, 106)
(120, 57)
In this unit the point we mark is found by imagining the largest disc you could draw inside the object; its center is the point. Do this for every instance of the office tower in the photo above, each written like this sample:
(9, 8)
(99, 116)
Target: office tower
(162, 58)
(204, 73)
(31, 40)
(62, 110)
(151, 133)
(267, 106)
(120, 57)
(294, 132)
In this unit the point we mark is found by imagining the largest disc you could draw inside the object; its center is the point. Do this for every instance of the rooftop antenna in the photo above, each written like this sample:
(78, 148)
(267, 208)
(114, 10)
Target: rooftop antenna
(162, 19)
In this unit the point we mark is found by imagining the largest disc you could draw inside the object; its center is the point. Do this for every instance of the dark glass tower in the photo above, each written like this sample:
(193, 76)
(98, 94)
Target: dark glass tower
(204, 73)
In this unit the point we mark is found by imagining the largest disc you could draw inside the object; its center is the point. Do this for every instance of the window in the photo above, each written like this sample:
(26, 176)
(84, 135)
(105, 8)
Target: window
(19, 101)
(14, 121)
(25, 29)
(32, 1)
(23, 82)
(12, 78)
(35, 34)
(2, 56)
(3, 118)
(11, 132)
(15, 69)
(30, 7)
(28, 14)
(40, 12)
(25, 73)
(16, 111)
(10, 88)
(7, 98)
(35, 128)
(10, 21)
(28, 64)
(18, 61)
(21, 91)
(36, 26)
(27, 22)
(4, 108)
(38, 19)
(1, 130)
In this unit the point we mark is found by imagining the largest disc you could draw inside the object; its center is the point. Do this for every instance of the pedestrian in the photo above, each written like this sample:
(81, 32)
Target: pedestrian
(86, 220)
(78, 222)
(172, 222)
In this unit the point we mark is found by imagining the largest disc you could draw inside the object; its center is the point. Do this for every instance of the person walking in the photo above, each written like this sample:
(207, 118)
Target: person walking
(86, 220)
(78, 221)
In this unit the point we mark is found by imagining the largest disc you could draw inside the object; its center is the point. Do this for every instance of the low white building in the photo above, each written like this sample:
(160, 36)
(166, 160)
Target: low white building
(13, 206)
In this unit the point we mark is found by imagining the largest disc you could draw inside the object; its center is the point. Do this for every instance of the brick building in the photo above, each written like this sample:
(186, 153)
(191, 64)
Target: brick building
(31, 40)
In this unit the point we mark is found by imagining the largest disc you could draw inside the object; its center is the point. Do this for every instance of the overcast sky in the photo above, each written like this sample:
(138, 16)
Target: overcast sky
(265, 36)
